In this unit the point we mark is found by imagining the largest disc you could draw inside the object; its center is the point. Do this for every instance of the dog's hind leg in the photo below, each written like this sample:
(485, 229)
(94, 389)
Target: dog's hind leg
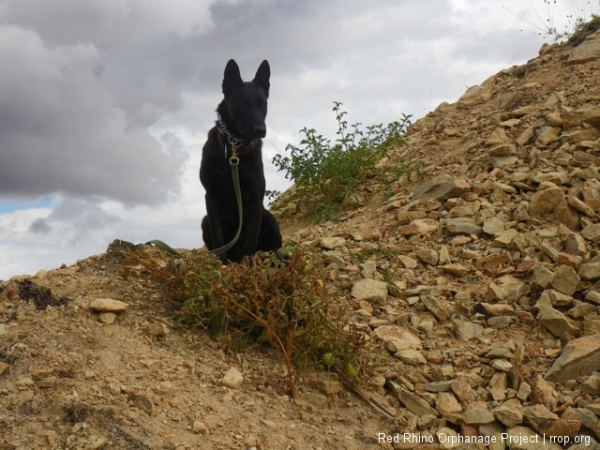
(212, 232)
(206, 236)
(269, 238)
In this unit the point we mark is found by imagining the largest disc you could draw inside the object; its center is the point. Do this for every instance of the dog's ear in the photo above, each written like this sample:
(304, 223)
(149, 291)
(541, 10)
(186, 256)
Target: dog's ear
(262, 76)
(232, 77)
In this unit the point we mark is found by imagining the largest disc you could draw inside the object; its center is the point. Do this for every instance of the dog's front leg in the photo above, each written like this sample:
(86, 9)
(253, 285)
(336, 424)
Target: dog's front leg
(251, 228)
(216, 228)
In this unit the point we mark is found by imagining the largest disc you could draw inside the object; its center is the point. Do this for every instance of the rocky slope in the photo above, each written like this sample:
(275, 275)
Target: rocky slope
(480, 280)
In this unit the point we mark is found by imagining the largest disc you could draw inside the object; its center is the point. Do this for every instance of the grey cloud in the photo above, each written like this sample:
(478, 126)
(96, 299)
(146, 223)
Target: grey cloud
(60, 132)
(40, 226)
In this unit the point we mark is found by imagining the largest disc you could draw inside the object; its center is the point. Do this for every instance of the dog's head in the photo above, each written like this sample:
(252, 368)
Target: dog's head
(246, 101)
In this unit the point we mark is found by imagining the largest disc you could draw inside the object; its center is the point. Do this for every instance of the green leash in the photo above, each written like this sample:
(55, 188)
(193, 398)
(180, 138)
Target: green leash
(234, 162)
(156, 243)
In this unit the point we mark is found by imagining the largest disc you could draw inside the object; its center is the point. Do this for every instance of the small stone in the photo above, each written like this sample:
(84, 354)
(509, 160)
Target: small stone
(589, 271)
(444, 256)
(412, 357)
(502, 365)
(437, 307)
(592, 384)
(3, 367)
(464, 226)
(591, 194)
(504, 238)
(456, 269)
(428, 256)
(142, 402)
(477, 413)
(407, 261)
(542, 276)
(108, 318)
(548, 135)
(108, 305)
(447, 404)
(440, 188)
(369, 289)
(581, 206)
(413, 403)
(575, 245)
(498, 384)
(545, 201)
(524, 391)
(98, 443)
(592, 232)
(397, 338)
(543, 392)
(537, 415)
(581, 309)
(419, 227)
(24, 383)
(580, 357)
(439, 386)
(556, 298)
(508, 416)
(465, 331)
(331, 243)
(555, 321)
(463, 390)
(593, 296)
(503, 149)
(498, 323)
(565, 280)
(587, 418)
(200, 427)
(233, 378)
(493, 226)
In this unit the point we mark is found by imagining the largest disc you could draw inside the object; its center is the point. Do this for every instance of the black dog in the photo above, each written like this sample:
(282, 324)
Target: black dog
(239, 130)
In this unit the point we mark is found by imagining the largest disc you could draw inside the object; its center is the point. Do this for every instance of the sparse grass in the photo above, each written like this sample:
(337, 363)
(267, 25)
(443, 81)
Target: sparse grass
(327, 173)
(261, 301)
(581, 20)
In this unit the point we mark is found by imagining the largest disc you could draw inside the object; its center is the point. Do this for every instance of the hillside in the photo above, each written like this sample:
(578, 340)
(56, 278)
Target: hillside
(479, 281)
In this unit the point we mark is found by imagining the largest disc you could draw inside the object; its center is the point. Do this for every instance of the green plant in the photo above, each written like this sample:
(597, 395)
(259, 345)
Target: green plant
(575, 24)
(326, 173)
(261, 301)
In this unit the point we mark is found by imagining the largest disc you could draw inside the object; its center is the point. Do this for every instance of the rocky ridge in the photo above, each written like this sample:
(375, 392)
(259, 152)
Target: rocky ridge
(479, 281)
(483, 277)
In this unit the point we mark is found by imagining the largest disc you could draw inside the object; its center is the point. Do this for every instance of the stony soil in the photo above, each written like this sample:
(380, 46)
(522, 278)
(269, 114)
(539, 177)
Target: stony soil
(479, 281)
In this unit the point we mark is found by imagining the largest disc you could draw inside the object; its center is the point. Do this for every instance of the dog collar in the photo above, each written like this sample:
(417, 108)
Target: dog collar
(235, 143)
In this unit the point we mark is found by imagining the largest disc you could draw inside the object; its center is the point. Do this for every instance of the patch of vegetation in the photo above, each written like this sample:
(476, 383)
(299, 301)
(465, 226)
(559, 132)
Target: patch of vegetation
(261, 301)
(326, 173)
(576, 25)
(41, 296)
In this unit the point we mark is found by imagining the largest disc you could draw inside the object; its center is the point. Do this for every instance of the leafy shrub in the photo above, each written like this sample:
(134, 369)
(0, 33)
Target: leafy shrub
(261, 300)
(327, 173)
(578, 24)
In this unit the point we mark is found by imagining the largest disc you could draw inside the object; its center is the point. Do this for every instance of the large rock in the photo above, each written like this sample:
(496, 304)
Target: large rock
(369, 289)
(591, 194)
(414, 404)
(419, 227)
(555, 321)
(588, 50)
(580, 357)
(545, 201)
(108, 305)
(397, 338)
(441, 188)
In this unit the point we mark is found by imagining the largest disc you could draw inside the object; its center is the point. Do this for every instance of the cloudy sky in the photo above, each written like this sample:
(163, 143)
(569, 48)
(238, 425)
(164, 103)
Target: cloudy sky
(104, 106)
